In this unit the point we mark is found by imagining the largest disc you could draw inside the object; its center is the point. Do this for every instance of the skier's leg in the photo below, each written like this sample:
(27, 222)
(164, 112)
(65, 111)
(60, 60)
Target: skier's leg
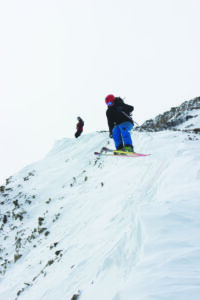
(117, 137)
(125, 129)
(78, 133)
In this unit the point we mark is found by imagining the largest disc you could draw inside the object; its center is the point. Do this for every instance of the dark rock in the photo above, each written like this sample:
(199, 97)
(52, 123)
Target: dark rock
(47, 233)
(40, 221)
(40, 230)
(5, 219)
(2, 189)
(16, 204)
(16, 257)
(8, 180)
(58, 252)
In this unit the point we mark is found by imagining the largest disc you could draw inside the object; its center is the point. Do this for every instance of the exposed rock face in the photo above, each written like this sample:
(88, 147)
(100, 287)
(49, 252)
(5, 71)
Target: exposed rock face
(175, 117)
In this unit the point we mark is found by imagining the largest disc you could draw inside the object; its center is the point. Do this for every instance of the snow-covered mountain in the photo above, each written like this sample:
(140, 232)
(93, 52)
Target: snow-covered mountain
(78, 226)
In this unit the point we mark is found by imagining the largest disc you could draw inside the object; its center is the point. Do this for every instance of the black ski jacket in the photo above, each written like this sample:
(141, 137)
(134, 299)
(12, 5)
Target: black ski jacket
(118, 113)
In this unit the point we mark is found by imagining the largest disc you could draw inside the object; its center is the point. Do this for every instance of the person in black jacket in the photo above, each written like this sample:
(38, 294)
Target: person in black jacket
(120, 122)
(79, 127)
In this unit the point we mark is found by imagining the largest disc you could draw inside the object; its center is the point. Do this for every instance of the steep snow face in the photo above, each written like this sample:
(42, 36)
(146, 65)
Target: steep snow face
(184, 117)
(111, 228)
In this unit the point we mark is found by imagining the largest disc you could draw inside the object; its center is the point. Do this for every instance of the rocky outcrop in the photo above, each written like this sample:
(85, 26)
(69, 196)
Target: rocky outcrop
(174, 117)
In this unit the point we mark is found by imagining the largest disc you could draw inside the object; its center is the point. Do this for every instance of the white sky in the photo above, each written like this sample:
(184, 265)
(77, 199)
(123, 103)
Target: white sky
(59, 59)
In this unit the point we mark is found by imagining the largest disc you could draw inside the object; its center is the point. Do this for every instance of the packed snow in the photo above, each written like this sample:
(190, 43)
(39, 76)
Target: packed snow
(105, 228)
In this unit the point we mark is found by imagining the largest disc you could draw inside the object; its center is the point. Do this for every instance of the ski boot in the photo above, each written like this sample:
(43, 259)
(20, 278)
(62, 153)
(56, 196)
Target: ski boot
(128, 148)
(119, 148)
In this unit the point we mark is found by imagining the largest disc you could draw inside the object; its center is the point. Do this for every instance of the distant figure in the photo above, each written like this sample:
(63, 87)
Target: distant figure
(79, 127)
(120, 122)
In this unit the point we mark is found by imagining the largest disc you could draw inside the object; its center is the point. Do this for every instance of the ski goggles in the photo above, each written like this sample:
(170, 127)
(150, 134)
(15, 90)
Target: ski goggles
(109, 103)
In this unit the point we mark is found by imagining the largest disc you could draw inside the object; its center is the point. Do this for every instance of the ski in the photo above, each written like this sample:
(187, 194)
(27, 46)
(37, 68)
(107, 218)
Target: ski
(117, 155)
(121, 153)
(118, 152)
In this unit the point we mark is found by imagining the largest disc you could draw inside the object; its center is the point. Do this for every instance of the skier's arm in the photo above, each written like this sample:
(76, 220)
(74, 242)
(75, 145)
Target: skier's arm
(110, 123)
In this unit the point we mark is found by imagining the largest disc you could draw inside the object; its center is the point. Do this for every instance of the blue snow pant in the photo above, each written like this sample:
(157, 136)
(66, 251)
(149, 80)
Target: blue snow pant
(122, 134)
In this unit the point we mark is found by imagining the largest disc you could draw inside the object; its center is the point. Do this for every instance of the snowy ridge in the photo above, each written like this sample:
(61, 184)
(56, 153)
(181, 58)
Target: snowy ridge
(76, 226)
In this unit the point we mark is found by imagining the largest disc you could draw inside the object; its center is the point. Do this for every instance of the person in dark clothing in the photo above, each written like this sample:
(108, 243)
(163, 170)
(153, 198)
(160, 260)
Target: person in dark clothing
(79, 127)
(120, 122)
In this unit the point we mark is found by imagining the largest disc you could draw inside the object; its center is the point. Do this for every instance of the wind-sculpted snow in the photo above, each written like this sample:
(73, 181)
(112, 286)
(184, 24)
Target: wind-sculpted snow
(77, 226)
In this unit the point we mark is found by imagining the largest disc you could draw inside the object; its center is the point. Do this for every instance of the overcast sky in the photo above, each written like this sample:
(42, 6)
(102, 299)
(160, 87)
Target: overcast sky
(60, 58)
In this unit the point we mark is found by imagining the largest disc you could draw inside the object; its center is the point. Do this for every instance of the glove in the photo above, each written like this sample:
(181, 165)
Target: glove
(119, 108)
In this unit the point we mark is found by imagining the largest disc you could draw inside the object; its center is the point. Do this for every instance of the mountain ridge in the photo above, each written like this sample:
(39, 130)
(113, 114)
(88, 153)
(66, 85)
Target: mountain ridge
(184, 114)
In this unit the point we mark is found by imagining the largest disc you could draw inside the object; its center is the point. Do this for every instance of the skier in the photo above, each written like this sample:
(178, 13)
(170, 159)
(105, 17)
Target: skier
(120, 122)
(79, 127)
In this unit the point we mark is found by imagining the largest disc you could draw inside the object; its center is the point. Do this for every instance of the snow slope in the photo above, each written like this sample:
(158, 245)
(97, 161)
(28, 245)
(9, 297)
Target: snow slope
(109, 228)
